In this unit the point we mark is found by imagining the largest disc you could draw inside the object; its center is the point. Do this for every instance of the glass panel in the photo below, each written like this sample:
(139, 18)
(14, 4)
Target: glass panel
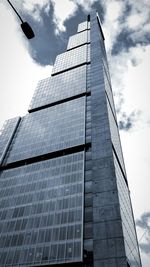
(78, 39)
(127, 216)
(6, 134)
(71, 58)
(49, 130)
(43, 228)
(83, 26)
(115, 136)
(59, 87)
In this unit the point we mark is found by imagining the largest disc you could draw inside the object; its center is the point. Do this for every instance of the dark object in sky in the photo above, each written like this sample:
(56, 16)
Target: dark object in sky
(26, 28)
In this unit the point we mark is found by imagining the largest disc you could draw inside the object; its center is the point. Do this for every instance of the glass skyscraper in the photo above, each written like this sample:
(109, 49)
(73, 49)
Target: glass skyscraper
(63, 185)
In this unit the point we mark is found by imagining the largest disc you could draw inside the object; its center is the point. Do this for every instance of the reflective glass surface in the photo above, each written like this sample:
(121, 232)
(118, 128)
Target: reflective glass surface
(41, 212)
(55, 88)
(88, 77)
(109, 93)
(83, 26)
(79, 39)
(6, 134)
(72, 58)
(127, 217)
(49, 130)
(115, 137)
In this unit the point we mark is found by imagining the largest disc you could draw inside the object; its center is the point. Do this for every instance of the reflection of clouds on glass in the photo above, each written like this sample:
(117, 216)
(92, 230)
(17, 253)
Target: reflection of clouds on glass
(83, 26)
(6, 134)
(78, 39)
(59, 87)
(71, 58)
(35, 189)
(49, 130)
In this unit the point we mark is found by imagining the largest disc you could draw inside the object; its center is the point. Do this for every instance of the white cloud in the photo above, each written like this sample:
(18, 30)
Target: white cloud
(137, 82)
(135, 20)
(114, 9)
(123, 65)
(86, 4)
(63, 10)
(138, 20)
(130, 78)
(140, 13)
(33, 8)
(29, 5)
(111, 26)
(19, 74)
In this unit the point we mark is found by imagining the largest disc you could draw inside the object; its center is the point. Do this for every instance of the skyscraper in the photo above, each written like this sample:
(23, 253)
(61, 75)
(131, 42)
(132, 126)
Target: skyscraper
(63, 185)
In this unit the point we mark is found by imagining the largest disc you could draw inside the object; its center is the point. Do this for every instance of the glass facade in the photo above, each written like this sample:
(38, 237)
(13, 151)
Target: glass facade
(6, 135)
(115, 136)
(60, 87)
(114, 234)
(128, 225)
(63, 186)
(83, 26)
(72, 58)
(41, 212)
(109, 93)
(48, 130)
(79, 39)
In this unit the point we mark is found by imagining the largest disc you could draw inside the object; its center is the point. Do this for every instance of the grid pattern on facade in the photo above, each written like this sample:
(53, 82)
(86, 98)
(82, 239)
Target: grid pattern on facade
(72, 58)
(127, 217)
(49, 213)
(83, 26)
(42, 212)
(62, 86)
(6, 134)
(49, 130)
(79, 39)
(115, 137)
(88, 77)
(109, 94)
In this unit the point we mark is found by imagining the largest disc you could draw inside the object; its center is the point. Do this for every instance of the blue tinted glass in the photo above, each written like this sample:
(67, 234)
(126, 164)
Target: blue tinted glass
(59, 87)
(49, 130)
(115, 136)
(109, 92)
(83, 26)
(79, 39)
(127, 216)
(71, 58)
(6, 134)
(38, 209)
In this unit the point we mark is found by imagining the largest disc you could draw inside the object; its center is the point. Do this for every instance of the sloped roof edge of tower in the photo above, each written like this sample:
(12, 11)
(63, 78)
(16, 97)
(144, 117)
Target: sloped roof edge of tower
(94, 13)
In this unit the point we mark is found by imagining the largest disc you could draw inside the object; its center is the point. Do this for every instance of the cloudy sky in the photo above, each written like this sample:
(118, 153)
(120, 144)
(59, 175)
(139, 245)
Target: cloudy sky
(126, 26)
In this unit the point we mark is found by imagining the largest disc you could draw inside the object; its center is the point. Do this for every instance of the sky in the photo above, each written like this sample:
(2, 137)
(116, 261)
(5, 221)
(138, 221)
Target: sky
(126, 27)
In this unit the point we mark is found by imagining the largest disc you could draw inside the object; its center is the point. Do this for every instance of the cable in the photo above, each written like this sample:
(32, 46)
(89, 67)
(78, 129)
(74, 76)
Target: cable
(15, 10)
